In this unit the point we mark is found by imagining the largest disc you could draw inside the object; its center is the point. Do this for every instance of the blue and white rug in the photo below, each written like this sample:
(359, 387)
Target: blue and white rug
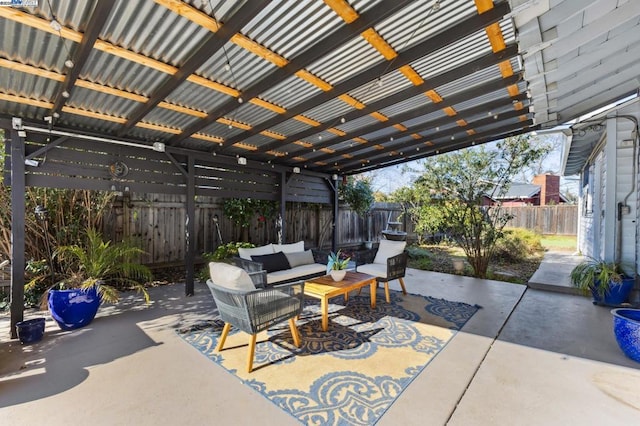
(349, 375)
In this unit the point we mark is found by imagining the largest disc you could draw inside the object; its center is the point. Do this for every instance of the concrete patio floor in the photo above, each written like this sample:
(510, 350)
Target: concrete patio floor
(528, 357)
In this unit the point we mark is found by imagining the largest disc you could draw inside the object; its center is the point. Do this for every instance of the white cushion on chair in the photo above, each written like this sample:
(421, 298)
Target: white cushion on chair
(230, 276)
(246, 253)
(389, 249)
(289, 248)
(374, 269)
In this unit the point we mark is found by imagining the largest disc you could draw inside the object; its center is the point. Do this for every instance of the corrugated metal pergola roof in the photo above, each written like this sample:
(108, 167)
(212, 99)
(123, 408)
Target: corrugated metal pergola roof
(333, 86)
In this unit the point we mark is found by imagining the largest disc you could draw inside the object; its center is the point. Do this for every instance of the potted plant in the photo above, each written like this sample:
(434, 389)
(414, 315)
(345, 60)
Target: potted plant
(626, 328)
(337, 266)
(93, 269)
(604, 280)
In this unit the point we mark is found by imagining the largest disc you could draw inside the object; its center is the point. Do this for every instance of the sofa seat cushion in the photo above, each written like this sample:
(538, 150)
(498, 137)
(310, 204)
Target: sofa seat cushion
(246, 253)
(298, 271)
(374, 269)
(272, 262)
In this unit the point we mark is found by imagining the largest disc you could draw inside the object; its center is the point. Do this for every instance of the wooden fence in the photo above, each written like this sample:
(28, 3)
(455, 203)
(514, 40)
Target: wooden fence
(158, 222)
(555, 220)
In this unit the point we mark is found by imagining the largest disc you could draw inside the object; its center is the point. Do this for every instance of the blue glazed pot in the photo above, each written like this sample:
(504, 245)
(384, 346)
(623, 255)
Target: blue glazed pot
(617, 293)
(626, 327)
(30, 331)
(73, 308)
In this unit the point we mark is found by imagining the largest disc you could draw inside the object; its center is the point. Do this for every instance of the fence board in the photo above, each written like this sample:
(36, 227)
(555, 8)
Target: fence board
(559, 219)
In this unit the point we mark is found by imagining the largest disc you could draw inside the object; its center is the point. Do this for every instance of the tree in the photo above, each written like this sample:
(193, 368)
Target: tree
(410, 200)
(547, 145)
(457, 192)
(359, 195)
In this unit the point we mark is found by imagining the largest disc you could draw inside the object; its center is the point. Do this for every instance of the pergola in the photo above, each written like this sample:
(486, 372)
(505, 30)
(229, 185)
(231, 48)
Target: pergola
(276, 99)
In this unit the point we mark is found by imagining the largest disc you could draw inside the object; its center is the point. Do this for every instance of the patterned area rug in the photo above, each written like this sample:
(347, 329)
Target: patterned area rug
(349, 375)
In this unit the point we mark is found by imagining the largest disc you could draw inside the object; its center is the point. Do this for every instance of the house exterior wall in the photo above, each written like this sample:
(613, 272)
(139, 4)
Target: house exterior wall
(521, 202)
(627, 194)
(610, 193)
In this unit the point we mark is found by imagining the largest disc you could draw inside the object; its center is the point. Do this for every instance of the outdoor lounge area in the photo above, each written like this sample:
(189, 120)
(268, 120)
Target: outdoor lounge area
(189, 101)
(511, 363)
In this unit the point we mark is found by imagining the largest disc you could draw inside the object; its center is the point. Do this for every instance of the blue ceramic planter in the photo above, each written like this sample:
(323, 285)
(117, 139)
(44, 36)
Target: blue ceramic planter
(616, 295)
(75, 308)
(626, 327)
(30, 331)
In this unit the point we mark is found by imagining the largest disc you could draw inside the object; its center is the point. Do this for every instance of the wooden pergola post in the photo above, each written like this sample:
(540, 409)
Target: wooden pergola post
(190, 227)
(17, 230)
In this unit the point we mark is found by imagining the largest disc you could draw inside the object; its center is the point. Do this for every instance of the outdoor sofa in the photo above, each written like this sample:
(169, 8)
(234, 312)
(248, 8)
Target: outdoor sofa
(284, 263)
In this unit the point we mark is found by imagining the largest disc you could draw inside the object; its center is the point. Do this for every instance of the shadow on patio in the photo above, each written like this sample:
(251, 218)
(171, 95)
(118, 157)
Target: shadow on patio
(525, 351)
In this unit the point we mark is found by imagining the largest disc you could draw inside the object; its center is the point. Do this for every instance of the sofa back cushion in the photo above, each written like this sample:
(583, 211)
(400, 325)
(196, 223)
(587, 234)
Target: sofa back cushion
(230, 276)
(246, 253)
(300, 258)
(289, 248)
(272, 262)
(389, 249)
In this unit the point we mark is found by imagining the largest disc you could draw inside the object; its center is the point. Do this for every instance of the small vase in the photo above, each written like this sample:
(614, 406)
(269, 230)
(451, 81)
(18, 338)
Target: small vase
(338, 275)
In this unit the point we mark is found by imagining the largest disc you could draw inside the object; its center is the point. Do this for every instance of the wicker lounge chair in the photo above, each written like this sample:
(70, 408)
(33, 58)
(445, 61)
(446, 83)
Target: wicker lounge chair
(253, 310)
(388, 262)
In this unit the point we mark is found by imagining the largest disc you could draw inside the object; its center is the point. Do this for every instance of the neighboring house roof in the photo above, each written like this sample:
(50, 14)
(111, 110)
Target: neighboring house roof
(520, 190)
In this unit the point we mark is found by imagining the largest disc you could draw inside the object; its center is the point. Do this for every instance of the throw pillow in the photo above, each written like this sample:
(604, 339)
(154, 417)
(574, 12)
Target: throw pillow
(289, 248)
(300, 258)
(389, 249)
(272, 262)
(230, 276)
(246, 253)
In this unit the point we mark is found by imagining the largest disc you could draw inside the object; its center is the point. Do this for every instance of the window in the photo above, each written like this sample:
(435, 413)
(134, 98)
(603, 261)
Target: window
(587, 190)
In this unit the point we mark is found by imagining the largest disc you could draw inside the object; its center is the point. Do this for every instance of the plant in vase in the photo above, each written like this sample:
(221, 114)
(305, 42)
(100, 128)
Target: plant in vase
(337, 266)
(605, 281)
(94, 268)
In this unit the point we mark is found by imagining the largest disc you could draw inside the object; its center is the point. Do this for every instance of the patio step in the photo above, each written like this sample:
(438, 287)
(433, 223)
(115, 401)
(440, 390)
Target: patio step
(553, 274)
(557, 288)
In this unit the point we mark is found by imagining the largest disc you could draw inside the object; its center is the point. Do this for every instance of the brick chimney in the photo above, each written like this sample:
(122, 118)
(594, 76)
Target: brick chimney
(549, 189)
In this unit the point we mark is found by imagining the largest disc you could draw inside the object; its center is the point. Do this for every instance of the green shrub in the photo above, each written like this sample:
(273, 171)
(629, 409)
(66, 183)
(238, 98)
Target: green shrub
(423, 263)
(416, 252)
(226, 251)
(419, 258)
(223, 253)
(37, 276)
(517, 244)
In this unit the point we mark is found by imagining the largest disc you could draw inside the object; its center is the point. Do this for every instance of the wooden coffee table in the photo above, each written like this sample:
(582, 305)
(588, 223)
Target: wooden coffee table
(324, 288)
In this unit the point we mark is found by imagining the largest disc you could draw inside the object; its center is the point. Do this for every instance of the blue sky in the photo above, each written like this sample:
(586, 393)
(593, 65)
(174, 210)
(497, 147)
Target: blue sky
(391, 178)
